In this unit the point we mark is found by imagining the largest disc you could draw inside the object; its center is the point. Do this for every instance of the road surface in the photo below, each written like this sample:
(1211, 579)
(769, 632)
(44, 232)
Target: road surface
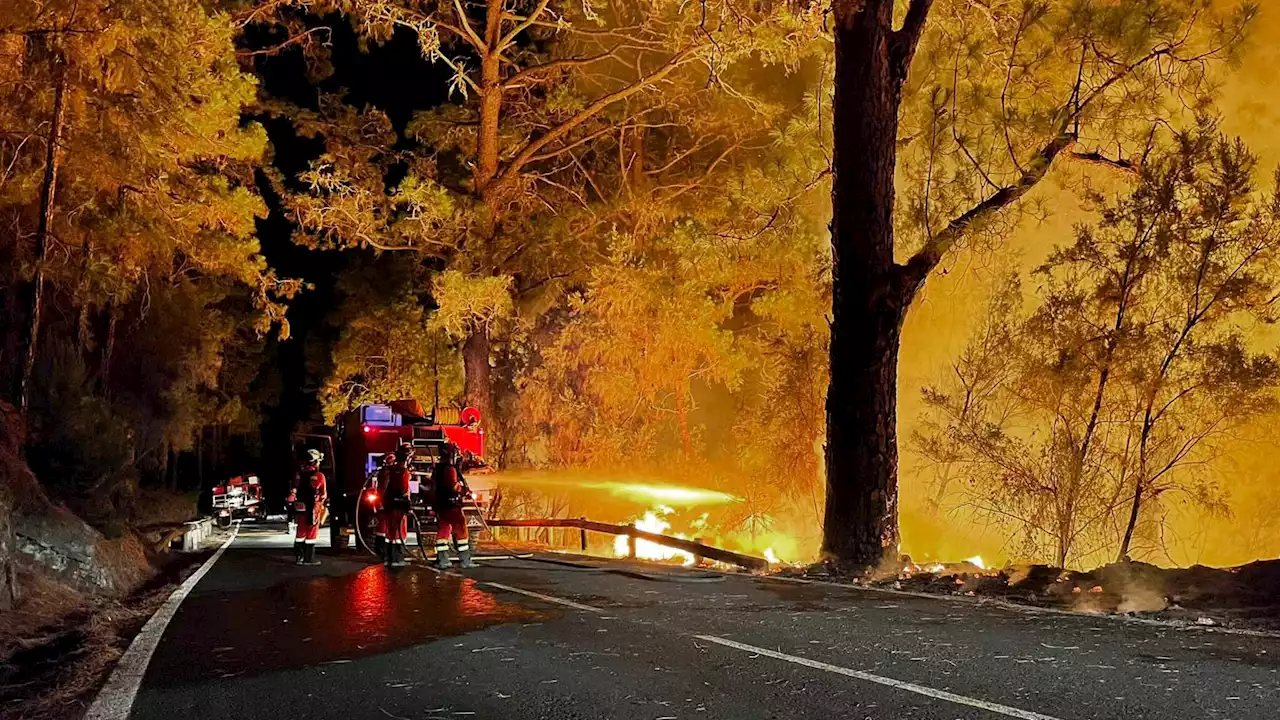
(259, 638)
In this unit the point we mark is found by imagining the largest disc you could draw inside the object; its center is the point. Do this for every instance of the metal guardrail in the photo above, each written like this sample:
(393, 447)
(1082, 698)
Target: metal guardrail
(196, 532)
(693, 547)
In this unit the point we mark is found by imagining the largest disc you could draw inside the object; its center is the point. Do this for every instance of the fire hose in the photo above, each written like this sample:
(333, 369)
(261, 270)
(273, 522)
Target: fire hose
(513, 554)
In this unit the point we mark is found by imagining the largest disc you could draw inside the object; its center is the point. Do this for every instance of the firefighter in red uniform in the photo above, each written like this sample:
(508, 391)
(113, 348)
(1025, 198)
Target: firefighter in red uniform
(380, 532)
(394, 491)
(307, 499)
(451, 493)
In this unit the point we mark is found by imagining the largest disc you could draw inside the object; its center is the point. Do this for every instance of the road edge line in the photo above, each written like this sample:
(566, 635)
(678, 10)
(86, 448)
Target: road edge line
(911, 687)
(115, 700)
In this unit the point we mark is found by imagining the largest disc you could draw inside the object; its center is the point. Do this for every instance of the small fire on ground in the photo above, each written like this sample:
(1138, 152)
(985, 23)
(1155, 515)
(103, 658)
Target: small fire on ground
(655, 521)
(937, 567)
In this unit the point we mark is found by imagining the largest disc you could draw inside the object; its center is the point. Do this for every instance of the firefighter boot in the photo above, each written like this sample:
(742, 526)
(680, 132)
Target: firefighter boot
(464, 555)
(380, 546)
(309, 554)
(298, 552)
(397, 554)
(442, 555)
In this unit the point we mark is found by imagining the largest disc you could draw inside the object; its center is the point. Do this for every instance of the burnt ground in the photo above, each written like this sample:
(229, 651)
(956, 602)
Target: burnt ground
(1244, 598)
(520, 639)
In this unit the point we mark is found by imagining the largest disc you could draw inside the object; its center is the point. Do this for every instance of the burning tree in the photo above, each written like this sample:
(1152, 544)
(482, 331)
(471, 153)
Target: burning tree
(964, 108)
(1116, 388)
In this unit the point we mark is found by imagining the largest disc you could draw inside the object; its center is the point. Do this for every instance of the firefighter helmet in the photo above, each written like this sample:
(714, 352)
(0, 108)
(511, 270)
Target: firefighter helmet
(404, 452)
(314, 456)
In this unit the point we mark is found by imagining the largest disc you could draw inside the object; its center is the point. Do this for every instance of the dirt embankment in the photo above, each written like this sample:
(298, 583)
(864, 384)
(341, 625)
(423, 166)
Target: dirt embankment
(70, 598)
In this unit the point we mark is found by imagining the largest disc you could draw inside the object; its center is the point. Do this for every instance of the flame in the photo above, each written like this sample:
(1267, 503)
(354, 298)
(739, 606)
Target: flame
(771, 556)
(652, 522)
(976, 561)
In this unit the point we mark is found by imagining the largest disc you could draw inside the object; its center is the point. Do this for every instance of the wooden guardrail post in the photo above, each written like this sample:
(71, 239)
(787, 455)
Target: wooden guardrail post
(631, 543)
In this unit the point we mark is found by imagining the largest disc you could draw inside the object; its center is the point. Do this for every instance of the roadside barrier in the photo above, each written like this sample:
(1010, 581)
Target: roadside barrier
(697, 549)
(197, 531)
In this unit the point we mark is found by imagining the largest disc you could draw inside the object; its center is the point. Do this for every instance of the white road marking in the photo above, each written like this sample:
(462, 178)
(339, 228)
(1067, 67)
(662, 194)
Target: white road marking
(540, 596)
(880, 680)
(115, 700)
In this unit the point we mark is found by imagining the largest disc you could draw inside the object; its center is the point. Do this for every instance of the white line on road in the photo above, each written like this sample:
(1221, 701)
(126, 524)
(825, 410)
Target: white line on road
(540, 596)
(880, 680)
(115, 700)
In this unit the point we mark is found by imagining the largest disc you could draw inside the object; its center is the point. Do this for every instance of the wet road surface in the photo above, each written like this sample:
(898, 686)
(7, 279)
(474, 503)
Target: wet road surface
(518, 639)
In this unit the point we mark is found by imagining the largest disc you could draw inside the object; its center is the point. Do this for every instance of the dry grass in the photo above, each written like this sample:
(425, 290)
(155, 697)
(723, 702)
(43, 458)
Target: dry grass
(62, 646)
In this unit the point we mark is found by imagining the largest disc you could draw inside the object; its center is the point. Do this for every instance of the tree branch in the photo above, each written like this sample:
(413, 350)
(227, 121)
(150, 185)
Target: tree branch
(907, 39)
(524, 25)
(534, 146)
(1096, 158)
(914, 272)
(534, 72)
(468, 32)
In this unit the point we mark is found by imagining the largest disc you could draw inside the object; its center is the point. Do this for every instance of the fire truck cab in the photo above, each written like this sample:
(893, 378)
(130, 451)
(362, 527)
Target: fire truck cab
(238, 498)
(355, 446)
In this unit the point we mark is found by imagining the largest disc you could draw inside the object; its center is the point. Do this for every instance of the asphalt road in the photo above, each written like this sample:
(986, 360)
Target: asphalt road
(261, 638)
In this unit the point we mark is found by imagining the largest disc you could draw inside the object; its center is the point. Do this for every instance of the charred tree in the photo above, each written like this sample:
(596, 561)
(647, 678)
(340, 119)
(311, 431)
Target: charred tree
(871, 292)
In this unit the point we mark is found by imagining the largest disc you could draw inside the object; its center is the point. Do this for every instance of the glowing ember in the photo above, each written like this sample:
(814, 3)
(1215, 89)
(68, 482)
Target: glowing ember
(976, 561)
(934, 568)
(654, 522)
(771, 556)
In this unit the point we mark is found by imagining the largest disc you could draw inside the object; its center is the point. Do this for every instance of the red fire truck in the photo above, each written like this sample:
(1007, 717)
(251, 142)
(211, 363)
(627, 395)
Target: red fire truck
(354, 447)
(238, 498)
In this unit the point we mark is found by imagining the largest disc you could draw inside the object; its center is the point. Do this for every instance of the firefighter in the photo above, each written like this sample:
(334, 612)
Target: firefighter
(307, 499)
(380, 511)
(451, 492)
(394, 491)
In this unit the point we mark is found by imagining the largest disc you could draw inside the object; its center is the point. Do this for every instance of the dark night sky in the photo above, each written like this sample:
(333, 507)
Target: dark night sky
(396, 79)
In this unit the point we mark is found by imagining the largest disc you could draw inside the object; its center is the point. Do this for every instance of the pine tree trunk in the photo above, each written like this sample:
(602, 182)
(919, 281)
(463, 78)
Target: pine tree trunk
(1135, 509)
(84, 333)
(477, 381)
(48, 191)
(104, 373)
(869, 301)
(682, 417)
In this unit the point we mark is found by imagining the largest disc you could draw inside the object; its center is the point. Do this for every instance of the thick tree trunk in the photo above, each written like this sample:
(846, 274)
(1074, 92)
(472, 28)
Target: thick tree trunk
(477, 380)
(860, 526)
(48, 191)
(487, 136)
(869, 300)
